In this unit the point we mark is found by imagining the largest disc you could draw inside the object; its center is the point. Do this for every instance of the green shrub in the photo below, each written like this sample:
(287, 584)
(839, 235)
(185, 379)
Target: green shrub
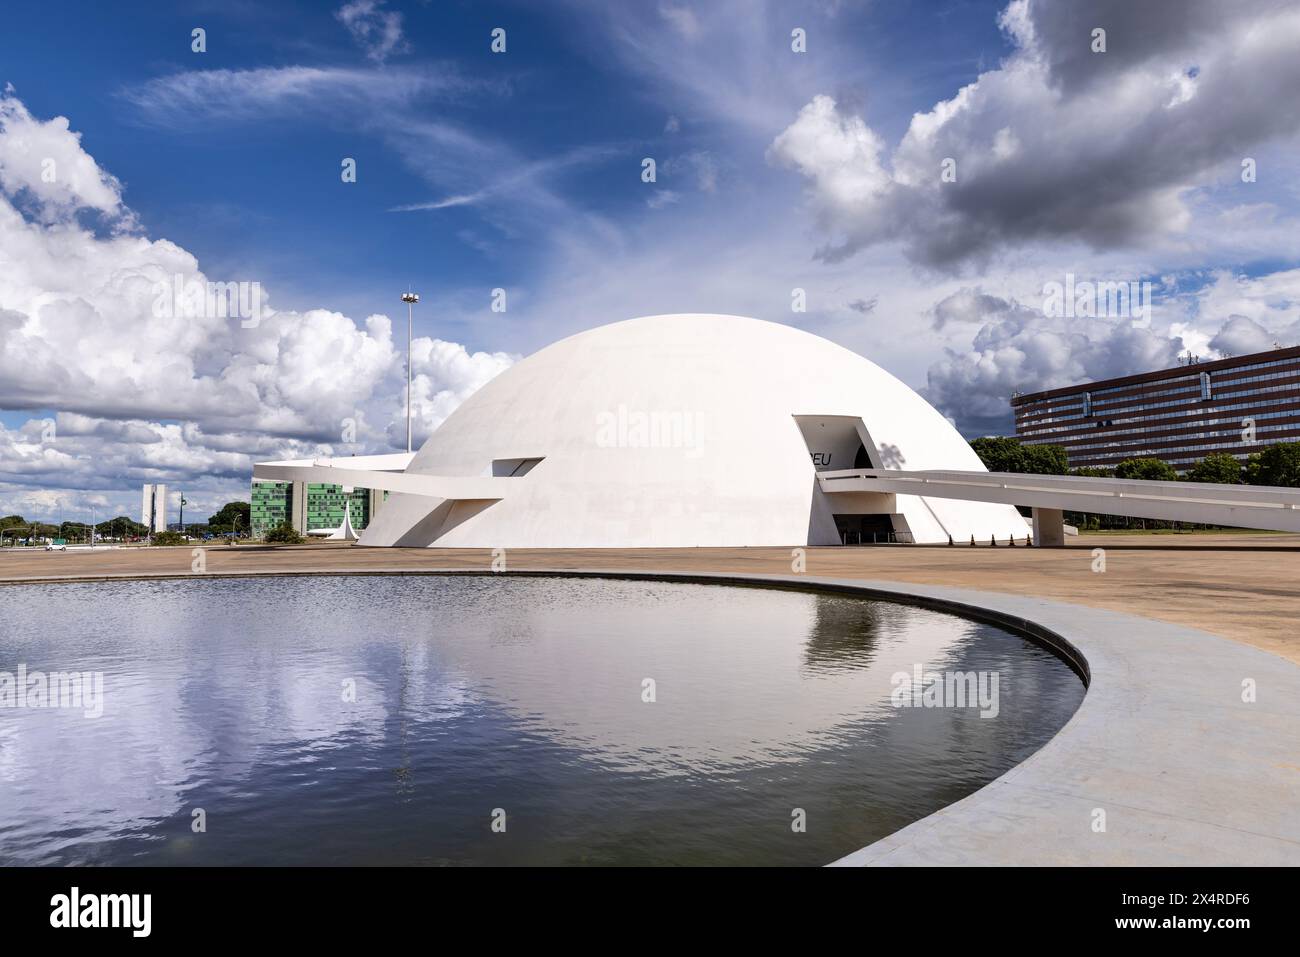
(284, 534)
(1276, 465)
(1217, 467)
(1146, 470)
(1001, 453)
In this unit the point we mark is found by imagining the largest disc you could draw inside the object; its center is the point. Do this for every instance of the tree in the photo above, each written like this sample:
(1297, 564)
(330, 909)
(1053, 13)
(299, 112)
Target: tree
(74, 531)
(231, 516)
(1001, 453)
(1276, 465)
(121, 526)
(1217, 467)
(1146, 470)
(14, 527)
(168, 538)
(1046, 460)
(284, 534)
(1093, 471)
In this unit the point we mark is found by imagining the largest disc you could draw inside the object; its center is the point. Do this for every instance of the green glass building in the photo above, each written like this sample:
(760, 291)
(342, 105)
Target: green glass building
(325, 506)
(308, 506)
(271, 504)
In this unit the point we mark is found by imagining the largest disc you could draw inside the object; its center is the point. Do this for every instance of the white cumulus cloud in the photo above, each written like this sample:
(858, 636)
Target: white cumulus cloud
(1060, 143)
(139, 391)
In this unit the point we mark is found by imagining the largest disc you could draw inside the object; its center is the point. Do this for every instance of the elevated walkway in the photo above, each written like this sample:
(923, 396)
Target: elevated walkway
(1236, 506)
(386, 472)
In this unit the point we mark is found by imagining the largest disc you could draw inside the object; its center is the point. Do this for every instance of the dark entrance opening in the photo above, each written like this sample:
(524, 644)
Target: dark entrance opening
(865, 529)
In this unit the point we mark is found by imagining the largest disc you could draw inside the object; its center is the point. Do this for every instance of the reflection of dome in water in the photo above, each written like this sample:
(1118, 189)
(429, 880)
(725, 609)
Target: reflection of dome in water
(687, 430)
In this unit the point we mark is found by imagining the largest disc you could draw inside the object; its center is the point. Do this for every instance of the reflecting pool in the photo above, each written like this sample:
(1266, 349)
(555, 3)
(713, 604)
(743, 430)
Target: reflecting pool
(496, 720)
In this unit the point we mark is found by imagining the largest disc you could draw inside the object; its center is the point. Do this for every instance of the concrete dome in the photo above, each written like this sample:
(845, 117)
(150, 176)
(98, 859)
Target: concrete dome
(687, 430)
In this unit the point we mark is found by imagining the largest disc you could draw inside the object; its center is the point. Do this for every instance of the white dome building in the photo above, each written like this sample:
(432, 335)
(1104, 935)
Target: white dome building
(671, 431)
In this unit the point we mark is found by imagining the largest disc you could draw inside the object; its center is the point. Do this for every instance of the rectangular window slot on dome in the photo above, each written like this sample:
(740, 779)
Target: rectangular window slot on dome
(513, 468)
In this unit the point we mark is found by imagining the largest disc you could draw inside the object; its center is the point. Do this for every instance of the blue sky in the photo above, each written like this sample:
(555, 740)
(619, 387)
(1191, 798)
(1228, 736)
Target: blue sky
(260, 192)
(776, 170)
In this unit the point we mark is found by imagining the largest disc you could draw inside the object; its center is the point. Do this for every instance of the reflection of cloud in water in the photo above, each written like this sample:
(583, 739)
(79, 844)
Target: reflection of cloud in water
(54, 760)
(222, 689)
(741, 676)
(194, 701)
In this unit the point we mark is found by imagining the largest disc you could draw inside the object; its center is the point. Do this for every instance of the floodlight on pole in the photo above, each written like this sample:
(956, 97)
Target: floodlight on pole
(410, 298)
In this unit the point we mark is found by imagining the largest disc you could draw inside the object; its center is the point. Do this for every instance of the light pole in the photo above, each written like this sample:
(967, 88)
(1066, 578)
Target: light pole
(410, 298)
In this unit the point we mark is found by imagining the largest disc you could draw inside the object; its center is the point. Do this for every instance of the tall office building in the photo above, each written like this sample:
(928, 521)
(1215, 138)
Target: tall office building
(1238, 405)
(309, 506)
(270, 506)
(153, 508)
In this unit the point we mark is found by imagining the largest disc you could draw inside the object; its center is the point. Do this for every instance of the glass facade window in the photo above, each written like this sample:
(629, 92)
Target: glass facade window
(273, 505)
(325, 506)
(1178, 415)
(270, 502)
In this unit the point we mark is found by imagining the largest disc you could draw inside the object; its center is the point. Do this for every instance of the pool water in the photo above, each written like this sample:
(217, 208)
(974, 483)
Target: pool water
(495, 720)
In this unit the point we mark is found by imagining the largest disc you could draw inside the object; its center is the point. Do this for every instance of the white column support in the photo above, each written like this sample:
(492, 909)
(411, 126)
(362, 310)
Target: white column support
(298, 507)
(1049, 527)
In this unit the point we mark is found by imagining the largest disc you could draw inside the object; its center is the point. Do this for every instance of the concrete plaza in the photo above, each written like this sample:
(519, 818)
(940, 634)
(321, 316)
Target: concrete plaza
(1245, 586)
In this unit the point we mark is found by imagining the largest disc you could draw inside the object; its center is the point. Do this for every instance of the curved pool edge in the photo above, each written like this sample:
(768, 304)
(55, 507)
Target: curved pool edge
(1184, 771)
(1162, 764)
